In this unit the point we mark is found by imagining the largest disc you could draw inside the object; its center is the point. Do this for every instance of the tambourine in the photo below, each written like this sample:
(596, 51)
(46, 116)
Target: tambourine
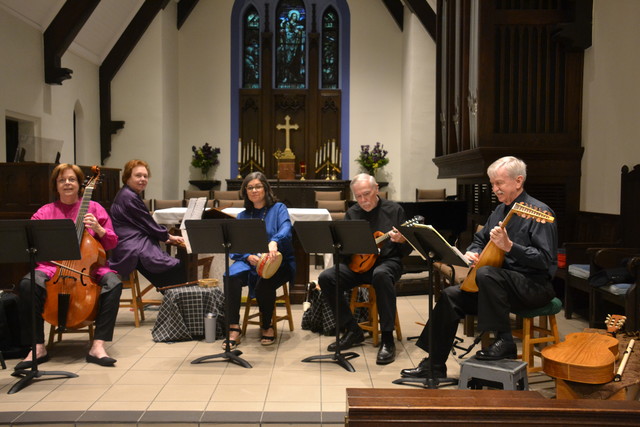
(267, 267)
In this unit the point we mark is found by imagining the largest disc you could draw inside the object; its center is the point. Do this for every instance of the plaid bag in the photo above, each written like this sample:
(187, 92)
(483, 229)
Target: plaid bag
(319, 317)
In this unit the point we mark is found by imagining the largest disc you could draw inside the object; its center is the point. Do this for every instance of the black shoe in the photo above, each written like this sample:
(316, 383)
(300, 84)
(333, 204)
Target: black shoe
(27, 364)
(102, 361)
(386, 354)
(348, 340)
(423, 370)
(500, 349)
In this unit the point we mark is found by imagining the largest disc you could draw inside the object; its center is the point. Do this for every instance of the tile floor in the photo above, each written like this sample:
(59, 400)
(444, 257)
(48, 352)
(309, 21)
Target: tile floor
(156, 382)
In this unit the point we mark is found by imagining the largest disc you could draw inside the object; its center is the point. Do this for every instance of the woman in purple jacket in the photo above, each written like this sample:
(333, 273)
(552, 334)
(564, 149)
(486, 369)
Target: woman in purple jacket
(139, 236)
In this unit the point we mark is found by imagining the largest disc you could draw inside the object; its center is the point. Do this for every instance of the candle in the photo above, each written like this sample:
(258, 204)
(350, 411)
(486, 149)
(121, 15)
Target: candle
(239, 150)
(303, 168)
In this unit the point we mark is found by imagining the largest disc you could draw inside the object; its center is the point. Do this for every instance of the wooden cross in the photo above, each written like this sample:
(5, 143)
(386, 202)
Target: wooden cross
(287, 127)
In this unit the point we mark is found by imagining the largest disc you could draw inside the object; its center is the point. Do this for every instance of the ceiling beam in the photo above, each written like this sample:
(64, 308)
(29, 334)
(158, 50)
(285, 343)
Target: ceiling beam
(184, 10)
(425, 15)
(60, 34)
(396, 9)
(112, 63)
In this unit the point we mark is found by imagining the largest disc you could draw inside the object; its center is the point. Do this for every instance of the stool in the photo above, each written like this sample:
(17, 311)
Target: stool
(546, 315)
(136, 302)
(511, 374)
(282, 299)
(53, 333)
(371, 324)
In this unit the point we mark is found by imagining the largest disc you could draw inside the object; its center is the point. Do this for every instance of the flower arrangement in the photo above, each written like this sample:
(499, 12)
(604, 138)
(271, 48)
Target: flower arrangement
(205, 157)
(374, 159)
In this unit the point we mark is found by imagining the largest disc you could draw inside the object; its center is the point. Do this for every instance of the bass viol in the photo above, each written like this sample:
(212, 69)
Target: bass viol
(72, 292)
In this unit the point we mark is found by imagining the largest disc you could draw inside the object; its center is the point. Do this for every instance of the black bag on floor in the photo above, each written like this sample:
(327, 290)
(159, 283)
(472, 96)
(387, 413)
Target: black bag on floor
(10, 327)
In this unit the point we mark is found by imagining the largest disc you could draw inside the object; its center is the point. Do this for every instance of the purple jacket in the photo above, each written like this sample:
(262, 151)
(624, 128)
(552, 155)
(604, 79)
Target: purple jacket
(138, 236)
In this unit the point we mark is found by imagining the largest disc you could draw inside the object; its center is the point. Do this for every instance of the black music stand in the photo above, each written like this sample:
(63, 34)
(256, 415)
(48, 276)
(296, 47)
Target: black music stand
(340, 237)
(30, 241)
(226, 236)
(433, 247)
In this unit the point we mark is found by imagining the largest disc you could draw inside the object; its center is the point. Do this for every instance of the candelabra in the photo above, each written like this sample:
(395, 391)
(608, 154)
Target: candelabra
(250, 158)
(329, 160)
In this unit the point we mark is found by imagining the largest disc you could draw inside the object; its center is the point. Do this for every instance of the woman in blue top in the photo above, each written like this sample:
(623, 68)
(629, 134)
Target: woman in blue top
(260, 203)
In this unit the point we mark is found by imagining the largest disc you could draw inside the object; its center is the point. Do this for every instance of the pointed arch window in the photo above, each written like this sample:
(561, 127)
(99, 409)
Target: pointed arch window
(330, 49)
(290, 58)
(291, 37)
(251, 49)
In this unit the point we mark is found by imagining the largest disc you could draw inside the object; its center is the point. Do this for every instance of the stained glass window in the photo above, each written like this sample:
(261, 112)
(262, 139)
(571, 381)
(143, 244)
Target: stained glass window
(330, 53)
(291, 44)
(251, 49)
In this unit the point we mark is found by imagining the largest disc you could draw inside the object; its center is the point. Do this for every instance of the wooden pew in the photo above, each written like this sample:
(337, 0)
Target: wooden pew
(380, 407)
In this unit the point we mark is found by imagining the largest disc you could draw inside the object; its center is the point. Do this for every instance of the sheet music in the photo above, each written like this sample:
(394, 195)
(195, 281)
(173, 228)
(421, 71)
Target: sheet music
(195, 208)
(453, 248)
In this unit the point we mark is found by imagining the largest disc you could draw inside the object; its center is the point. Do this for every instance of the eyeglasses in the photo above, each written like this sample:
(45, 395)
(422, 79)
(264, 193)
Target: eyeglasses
(69, 180)
(256, 188)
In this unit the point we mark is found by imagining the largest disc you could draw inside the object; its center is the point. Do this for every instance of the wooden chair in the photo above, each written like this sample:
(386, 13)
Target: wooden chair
(336, 208)
(226, 195)
(149, 204)
(424, 195)
(165, 204)
(328, 195)
(230, 203)
(53, 334)
(194, 194)
(137, 302)
(283, 298)
(546, 330)
(371, 325)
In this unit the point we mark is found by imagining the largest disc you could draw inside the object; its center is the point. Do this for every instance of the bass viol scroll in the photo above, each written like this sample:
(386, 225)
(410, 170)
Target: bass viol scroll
(72, 292)
(494, 256)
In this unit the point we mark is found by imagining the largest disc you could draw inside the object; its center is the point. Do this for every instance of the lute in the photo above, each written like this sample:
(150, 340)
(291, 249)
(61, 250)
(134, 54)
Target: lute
(494, 256)
(584, 357)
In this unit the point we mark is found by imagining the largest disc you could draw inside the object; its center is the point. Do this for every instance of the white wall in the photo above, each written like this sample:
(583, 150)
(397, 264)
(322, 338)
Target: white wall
(204, 82)
(24, 94)
(144, 94)
(419, 112)
(611, 106)
(376, 87)
(169, 108)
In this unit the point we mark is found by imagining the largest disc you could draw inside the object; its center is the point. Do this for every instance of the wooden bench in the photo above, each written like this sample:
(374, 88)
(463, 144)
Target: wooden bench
(368, 407)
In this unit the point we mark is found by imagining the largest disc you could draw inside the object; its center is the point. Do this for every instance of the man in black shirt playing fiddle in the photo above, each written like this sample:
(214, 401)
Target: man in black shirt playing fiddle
(522, 282)
(383, 215)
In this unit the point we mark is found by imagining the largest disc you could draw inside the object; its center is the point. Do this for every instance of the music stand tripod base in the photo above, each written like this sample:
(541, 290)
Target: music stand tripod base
(335, 237)
(232, 356)
(33, 242)
(224, 236)
(341, 359)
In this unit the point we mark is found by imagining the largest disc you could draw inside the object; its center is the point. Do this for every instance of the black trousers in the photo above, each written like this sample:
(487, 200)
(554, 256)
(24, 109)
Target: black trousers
(265, 291)
(382, 277)
(105, 322)
(500, 292)
(172, 276)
